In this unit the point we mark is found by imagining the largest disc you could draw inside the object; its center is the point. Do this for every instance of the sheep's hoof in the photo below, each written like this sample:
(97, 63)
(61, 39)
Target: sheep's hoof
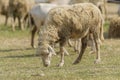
(60, 65)
(97, 61)
(76, 62)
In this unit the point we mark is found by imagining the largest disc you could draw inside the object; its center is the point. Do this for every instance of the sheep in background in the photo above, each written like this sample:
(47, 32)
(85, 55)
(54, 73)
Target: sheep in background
(70, 22)
(4, 9)
(19, 9)
(114, 28)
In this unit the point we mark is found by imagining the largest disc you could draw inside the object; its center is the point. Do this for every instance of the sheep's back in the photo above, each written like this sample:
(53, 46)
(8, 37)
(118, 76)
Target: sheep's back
(78, 16)
(76, 19)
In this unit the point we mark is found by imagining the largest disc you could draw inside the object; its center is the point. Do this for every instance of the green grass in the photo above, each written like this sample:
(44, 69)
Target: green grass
(6, 32)
(17, 60)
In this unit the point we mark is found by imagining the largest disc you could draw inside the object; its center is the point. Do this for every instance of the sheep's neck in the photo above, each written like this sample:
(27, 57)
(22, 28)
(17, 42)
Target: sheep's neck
(48, 35)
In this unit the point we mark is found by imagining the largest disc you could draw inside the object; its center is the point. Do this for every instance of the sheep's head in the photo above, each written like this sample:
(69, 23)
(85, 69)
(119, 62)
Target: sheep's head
(46, 52)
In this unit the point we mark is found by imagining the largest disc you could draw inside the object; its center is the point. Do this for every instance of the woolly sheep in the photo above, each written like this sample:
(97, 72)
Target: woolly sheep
(70, 22)
(38, 13)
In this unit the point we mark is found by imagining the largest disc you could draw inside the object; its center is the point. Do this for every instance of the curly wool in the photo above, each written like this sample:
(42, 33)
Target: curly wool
(74, 21)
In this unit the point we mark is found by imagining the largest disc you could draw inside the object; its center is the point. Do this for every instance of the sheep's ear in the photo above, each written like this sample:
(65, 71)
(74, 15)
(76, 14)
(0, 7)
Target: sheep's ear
(51, 50)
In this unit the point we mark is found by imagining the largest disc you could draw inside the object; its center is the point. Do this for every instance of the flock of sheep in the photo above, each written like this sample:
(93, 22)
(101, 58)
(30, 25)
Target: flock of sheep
(59, 21)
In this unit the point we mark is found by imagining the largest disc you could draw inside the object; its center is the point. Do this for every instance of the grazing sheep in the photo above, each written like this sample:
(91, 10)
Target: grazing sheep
(114, 29)
(70, 22)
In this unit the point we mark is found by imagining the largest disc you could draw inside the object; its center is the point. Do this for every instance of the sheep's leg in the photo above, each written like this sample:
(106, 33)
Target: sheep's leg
(77, 45)
(93, 48)
(69, 43)
(6, 20)
(34, 30)
(13, 23)
(62, 57)
(65, 52)
(97, 45)
(62, 43)
(21, 23)
(83, 47)
(91, 44)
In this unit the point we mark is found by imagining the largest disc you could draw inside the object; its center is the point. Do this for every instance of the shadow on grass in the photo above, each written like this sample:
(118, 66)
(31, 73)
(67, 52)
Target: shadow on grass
(21, 56)
(10, 50)
(18, 56)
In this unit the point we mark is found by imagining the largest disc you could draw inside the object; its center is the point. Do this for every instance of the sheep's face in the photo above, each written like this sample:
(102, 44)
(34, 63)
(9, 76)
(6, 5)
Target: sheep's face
(46, 53)
(46, 57)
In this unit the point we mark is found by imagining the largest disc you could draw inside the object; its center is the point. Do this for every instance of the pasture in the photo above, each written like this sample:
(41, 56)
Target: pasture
(18, 60)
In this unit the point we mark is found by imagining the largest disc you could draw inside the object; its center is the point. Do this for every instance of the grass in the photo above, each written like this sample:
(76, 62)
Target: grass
(17, 60)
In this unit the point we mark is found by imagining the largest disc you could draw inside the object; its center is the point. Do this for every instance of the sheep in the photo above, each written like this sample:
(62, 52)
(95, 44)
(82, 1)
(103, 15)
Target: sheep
(70, 22)
(19, 9)
(38, 15)
(114, 28)
(4, 9)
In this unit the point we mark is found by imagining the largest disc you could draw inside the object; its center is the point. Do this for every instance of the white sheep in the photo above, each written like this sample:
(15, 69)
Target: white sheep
(37, 16)
(70, 22)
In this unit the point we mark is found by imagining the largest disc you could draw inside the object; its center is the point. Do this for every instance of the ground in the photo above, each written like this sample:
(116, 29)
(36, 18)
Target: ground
(18, 60)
